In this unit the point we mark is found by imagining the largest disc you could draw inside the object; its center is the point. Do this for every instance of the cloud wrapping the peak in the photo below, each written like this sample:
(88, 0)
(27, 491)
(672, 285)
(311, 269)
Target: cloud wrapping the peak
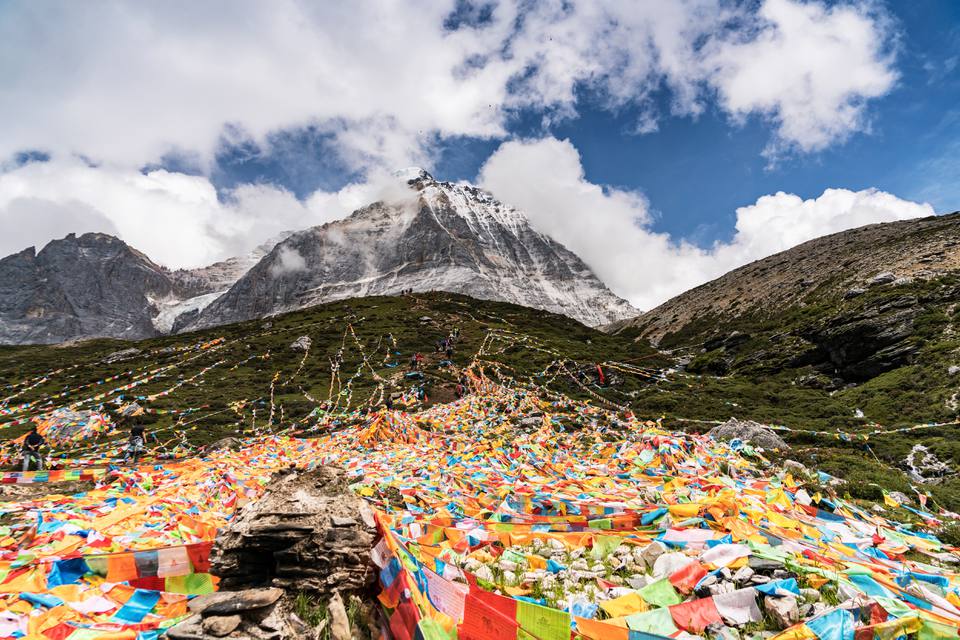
(611, 229)
(288, 260)
(174, 218)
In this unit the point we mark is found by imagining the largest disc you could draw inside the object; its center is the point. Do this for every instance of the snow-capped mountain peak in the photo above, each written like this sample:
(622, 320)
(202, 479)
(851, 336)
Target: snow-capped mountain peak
(449, 237)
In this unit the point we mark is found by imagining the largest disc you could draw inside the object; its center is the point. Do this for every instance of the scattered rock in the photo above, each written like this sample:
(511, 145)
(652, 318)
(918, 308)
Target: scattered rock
(651, 552)
(795, 467)
(223, 603)
(339, 623)
(742, 575)
(302, 343)
(810, 595)
(230, 443)
(783, 611)
(638, 581)
(123, 354)
(130, 409)
(924, 466)
(854, 292)
(953, 370)
(220, 626)
(900, 497)
(754, 433)
(189, 629)
(881, 278)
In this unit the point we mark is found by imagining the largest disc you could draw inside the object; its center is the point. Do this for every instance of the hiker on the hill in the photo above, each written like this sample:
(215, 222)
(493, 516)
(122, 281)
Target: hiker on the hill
(31, 449)
(449, 351)
(136, 446)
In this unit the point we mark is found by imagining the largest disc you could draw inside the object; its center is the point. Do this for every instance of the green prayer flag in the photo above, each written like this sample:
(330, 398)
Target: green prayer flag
(660, 593)
(546, 623)
(193, 584)
(655, 621)
(936, 631)
(603, 546)
(430, 629)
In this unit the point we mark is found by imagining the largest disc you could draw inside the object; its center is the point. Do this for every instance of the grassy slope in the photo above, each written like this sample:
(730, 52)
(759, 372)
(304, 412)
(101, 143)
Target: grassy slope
(327, 325)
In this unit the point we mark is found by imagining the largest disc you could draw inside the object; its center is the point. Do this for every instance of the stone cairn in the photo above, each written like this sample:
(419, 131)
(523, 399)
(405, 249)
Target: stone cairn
(308, 534)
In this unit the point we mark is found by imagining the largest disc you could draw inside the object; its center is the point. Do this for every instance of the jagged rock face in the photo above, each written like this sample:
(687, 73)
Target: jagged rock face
(444, 236)
(79, 287)
(220, 276)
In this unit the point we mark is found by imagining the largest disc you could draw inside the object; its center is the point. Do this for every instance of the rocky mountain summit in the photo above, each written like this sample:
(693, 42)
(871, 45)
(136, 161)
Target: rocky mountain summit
(439, 236)
(96, 285)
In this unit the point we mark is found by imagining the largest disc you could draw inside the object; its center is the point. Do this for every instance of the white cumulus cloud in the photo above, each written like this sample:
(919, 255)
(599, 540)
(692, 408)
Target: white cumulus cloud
(808, 67)
(125, 83)
(611, 229)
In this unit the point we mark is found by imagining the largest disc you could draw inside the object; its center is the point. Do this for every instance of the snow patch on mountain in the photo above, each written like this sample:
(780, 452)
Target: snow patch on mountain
(171, 309)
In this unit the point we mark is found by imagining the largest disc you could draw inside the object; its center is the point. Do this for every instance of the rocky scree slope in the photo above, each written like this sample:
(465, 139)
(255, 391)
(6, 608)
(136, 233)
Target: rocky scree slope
(444, 236)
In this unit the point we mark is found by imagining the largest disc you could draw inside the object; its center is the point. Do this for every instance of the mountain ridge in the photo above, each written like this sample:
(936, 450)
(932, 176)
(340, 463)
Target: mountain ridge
(919, 248)
(452, 237)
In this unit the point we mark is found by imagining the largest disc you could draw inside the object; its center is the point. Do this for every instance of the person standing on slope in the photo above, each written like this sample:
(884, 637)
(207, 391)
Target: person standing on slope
(136, 446)
(31, 449)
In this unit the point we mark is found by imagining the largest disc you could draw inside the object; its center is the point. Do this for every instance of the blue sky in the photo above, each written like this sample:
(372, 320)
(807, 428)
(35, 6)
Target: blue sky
(911, 147)
(194, 133)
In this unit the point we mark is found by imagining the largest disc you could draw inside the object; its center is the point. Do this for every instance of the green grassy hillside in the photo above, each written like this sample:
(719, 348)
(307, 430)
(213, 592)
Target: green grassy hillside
(879, 360)
(229, 384)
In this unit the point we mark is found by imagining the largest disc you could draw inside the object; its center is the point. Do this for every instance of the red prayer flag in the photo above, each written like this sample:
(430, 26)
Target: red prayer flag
(694, 616)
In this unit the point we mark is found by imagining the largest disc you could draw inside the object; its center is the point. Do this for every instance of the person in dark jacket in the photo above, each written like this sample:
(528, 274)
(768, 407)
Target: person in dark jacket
(136, 446)
(31, 449)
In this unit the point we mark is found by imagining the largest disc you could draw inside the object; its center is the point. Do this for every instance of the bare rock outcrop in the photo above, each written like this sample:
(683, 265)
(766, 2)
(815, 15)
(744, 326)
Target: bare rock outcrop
(750, 432)
(308, 533)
